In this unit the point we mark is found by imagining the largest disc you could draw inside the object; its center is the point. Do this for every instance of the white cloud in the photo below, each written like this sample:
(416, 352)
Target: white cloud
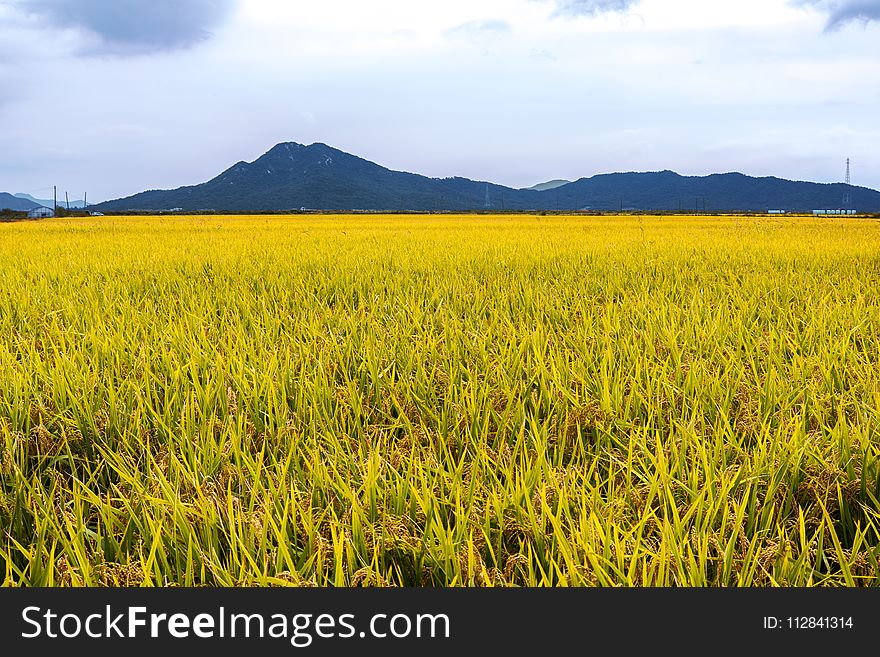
(132, 26)
(591, 7)
(479, 30)
(842, 12)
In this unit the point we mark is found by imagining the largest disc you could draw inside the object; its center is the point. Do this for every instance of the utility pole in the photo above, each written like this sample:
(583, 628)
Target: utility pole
(85, 200)
(66, 198)
(54, 197)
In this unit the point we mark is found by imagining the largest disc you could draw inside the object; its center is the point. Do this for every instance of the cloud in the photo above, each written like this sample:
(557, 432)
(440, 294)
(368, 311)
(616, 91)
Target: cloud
(479, 31)
(542, 54)
(591, 7)
(841, 12)
(124, 27)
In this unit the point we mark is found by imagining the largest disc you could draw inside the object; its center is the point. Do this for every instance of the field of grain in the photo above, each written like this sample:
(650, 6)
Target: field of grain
(440, 401)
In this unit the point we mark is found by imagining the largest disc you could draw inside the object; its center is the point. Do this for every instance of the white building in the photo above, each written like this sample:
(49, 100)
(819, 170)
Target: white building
(41, 213)
(823, 212)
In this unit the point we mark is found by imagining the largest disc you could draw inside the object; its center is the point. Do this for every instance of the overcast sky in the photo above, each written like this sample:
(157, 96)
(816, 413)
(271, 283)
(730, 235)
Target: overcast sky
(117, 96)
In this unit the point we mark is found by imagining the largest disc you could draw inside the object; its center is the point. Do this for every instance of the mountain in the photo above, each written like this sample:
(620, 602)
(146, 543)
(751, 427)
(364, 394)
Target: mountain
(10, 202)
(720, 192)
(49, 203)
(550, 184)
(292, 176)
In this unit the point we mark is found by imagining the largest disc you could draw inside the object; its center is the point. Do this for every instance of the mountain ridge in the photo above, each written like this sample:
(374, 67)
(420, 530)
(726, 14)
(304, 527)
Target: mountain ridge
(10, 202)
(49, 203)
(550, 184)
(293, 176)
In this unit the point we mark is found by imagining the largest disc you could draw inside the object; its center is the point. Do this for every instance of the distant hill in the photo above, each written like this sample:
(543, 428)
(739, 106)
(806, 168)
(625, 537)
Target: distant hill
(10, 202)
(49, 204)
(550, 184)
(292, 176)
(719, 192)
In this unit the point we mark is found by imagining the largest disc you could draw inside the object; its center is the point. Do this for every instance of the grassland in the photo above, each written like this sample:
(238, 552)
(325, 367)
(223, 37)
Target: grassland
(440, 401)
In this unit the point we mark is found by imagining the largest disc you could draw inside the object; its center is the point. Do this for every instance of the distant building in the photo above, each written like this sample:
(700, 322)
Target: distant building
(41, 213)
(96, 214)
(775, 211)
(834, 212)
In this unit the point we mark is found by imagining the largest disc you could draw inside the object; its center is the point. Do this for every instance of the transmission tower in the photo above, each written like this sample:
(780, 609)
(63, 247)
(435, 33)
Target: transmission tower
(847, 197)
(488, 202)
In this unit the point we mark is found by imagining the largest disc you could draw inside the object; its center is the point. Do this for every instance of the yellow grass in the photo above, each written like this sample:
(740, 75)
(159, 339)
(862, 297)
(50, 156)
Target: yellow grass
(439, 400)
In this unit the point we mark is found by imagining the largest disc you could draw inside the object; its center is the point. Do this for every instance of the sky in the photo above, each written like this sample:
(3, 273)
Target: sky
(113, 97)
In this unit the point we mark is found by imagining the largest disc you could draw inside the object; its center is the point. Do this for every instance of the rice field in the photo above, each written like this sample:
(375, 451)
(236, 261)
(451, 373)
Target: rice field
(440, 401)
